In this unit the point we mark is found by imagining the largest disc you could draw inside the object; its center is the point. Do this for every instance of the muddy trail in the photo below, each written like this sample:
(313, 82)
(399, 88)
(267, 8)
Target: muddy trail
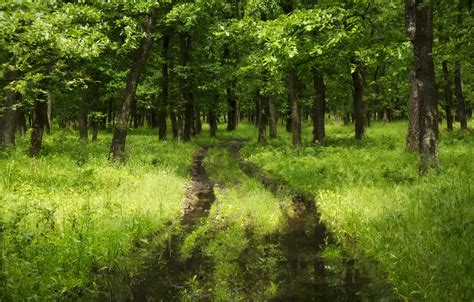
(167, 273)
(303, 274)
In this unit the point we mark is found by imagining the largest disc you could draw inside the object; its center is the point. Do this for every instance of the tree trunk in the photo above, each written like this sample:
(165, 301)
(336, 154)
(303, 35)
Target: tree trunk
(185, 44)
(117, 149)
(413, 136)
(428, 117)
(82, 121)
(232, 113)
(8, 121)
(359, 105)
(461, 105)
(40, 120)
(197, 121)
(448, 97)
(319, 108)
(212, 118)
(295, 110)
(20, 121)
(262, 124)
(164, 89)
(174, 125)
(272, 119)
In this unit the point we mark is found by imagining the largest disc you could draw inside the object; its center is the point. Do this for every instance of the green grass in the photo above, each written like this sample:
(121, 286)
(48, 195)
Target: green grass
(419, 229)
(70, 216)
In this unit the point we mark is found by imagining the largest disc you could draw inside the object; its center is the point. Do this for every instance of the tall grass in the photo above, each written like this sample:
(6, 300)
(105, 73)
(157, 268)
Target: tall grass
(420, 229)
(70, 216)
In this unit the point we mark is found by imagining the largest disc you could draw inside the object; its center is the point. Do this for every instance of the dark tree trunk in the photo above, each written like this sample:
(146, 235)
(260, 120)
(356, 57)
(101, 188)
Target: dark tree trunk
(295, 110)
(82, 121)
(319, 108)
(8, 121)
(413, 136)
(174, 125)
(212, 118)
(461, 104)
(117, 149)
(288, 117)
(232, 113)
(40, 121)
(428, 117)
(262, 125)
(272, 119)
(20, 121)
(185, 46)
(359, 105)
(164, 89)
(448, 97)
(180, 126)
(257, 110)
(197, 120)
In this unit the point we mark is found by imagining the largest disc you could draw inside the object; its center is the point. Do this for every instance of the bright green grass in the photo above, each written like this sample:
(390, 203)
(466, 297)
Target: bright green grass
(420, 229)
(235, 237)
(70, 215)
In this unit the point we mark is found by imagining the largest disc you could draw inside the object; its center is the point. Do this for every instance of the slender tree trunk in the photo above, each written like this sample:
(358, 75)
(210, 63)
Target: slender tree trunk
(413, 136)
(428, 117)
(174, 125)
(40, 121)
(82, 121)
(49, 112)
(295, 110)
(448, 97)
(262, 125)
(461, 104)
(232, 113)
(180, 126)
(185, 44)
(359, 105)
(319, 108)
(197, 120)
(272, 119)
(20, 121)
(117, 149)
(212, 118)
(164, 89)
(288, 117)
(8, 121)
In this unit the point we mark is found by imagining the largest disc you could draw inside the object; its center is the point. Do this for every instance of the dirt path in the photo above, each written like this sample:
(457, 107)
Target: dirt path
(167, 273)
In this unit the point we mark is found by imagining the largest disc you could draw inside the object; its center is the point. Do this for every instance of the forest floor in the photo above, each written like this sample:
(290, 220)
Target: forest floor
(229, 219)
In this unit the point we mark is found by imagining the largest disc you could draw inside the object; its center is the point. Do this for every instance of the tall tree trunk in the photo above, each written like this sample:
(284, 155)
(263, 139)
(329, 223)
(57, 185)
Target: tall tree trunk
(262, 124)
(428, 116)
(40, 120)
(212, 118)
(164, 89)
(8, 121)
(319, 108)
(295, 110)
(82, 121)
(413, 136)
(174, 125)
(197, 120)
(461, 104)
(359, 105)
(448, 97)
(272, 119)
(117, 149)
(20, 121)
(185, 44)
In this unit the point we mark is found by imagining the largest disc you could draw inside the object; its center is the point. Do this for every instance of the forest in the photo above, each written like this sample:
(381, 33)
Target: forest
(236, 150)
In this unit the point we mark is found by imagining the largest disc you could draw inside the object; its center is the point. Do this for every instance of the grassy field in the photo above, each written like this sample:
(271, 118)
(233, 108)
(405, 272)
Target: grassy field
(70, 217)
(420, 229)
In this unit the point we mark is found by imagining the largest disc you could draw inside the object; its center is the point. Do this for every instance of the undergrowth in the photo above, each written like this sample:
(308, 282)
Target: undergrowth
(70, 216)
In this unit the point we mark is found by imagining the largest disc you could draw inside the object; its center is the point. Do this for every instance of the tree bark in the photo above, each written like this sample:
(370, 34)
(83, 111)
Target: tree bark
(174, 125)
(319, 108)
(185, 46)
(461, 104)
(295, 110)
(272, 119)
(262, 124)
(212, 118)
(164, 89)
(117, 149)
(448, 97)
(428, 115)
(8, 121)
(40, 121)
(82, 121)
(197, 121)
(20, 121)
(413, 136)
(359, 105)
